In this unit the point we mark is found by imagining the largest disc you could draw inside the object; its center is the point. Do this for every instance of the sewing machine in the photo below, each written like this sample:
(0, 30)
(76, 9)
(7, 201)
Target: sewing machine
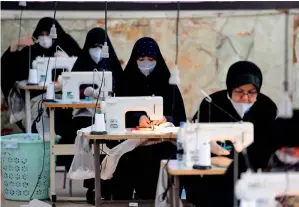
(196, 138)
(71, 82)
(260, 189)
(41, 64)
(115, 109)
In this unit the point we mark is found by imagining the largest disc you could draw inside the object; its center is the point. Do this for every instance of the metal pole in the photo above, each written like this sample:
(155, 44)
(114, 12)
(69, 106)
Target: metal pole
(286, 53)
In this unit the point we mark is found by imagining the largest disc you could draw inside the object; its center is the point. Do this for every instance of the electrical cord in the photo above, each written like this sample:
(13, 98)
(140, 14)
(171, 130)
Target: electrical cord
(40, 117)
(9, 98)
(164, 196)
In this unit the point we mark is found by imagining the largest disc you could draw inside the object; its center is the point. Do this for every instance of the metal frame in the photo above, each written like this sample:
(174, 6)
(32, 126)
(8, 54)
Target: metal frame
(153, 6)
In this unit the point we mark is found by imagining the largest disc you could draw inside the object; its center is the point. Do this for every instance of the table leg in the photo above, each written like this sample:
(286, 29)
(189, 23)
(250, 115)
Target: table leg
(176, 191)
(52, 156)
(97, 165)
(236, 174)
(28, 111)
(171, 195)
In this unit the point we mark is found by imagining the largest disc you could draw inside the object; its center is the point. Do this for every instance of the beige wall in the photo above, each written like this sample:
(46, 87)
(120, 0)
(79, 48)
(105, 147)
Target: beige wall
(203, 43)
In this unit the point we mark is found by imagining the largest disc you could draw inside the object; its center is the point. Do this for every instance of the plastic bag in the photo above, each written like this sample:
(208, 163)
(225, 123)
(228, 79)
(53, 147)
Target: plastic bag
(82, 167)
(16, 105)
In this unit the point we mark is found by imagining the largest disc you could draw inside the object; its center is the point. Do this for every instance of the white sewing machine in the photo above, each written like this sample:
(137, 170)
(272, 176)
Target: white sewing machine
(71, 82)
(196, 138)
(41, 64)
(260, 189)
(115, 109)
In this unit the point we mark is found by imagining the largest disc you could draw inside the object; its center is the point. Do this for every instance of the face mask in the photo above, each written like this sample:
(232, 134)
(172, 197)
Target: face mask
(146, 66)
(241, 108)
(95, 54)
(45, 41)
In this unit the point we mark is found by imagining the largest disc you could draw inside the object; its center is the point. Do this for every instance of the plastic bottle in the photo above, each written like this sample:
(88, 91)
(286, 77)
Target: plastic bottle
(180, 150)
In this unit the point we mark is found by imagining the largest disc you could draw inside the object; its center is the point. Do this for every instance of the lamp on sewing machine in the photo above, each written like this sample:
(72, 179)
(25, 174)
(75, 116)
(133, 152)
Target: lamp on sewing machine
(116, 108)
(197, 137)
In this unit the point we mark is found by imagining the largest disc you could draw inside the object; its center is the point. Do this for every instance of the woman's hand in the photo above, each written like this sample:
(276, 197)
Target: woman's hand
(162, 121)
(217, 149)
(23, 41)
(144, 122)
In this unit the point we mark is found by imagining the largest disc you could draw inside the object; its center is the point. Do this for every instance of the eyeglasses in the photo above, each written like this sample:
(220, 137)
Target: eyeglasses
(250, 94)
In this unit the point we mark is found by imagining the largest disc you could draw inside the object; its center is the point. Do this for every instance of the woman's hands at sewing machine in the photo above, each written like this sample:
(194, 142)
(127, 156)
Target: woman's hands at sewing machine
(144, 122)
(157, 123)
(23, 41)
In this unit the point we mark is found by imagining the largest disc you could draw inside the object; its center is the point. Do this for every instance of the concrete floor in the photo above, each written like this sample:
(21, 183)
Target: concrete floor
(78, 191)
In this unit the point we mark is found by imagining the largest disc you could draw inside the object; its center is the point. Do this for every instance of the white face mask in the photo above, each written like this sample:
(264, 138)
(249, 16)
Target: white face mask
(45, 41)
(146, 66)
(241, 108)
(95, 54)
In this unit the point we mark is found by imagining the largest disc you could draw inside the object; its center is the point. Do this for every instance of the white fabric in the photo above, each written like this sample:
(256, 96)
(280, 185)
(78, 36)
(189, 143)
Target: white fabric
(110, 162)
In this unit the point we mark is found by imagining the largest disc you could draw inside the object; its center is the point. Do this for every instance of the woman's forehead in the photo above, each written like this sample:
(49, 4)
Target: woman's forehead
(247, 87)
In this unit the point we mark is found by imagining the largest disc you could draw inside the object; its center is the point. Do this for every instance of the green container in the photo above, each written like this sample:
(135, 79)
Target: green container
(22, 161)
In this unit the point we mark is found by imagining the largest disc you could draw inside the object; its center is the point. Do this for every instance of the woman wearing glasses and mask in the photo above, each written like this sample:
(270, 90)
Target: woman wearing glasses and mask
(241, 101)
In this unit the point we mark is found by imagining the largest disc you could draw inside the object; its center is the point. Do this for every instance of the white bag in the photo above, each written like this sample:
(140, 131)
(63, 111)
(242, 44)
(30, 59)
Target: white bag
(82, 167)
(16, 105)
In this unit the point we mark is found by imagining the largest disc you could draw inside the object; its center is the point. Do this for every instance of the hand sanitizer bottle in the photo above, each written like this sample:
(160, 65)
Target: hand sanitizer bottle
(180, 150)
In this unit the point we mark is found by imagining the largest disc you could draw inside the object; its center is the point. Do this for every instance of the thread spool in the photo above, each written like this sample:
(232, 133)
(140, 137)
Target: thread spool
(50, 96)
(32, 79)
(99, 124)
(204, 162)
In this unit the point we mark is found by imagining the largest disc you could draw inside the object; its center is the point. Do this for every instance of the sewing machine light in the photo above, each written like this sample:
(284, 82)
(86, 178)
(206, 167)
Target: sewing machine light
(105, 51)
(175, 76)
(53, 32)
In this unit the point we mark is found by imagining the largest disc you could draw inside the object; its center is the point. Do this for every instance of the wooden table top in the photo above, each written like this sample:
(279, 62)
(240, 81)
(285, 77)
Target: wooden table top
(62, 104)
(133, 135)
(23, 85)
(175, 169)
